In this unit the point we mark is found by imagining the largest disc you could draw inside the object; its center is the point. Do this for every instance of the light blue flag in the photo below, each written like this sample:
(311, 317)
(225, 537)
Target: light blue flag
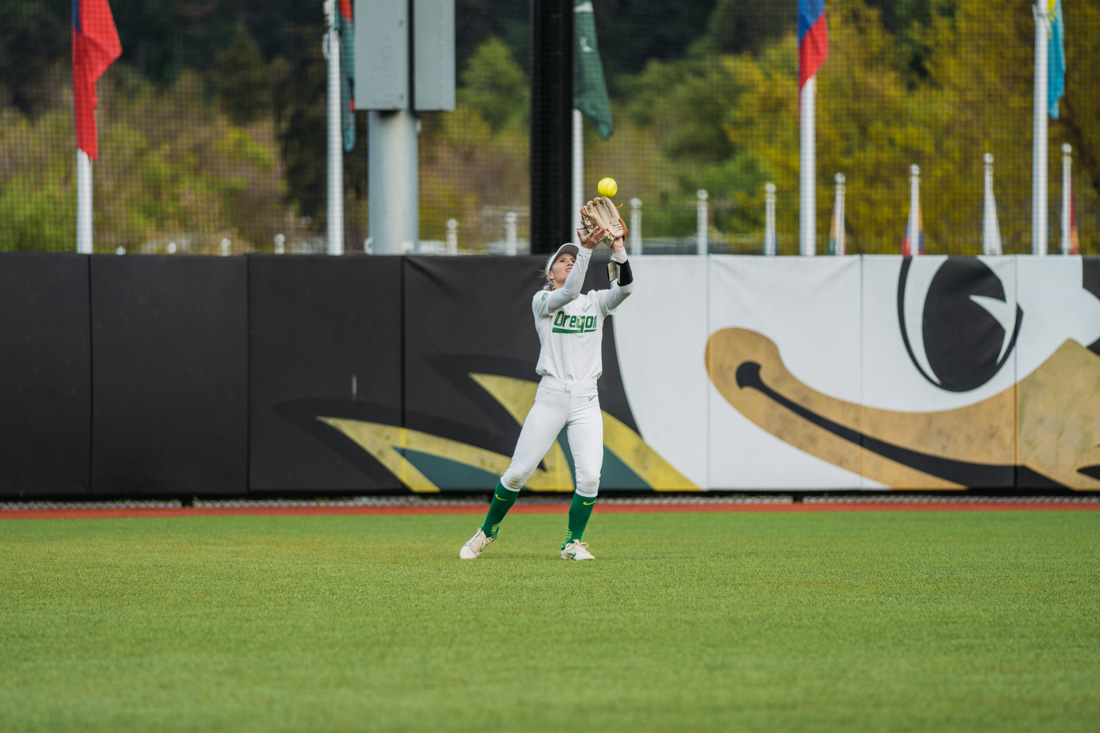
(1056, 58)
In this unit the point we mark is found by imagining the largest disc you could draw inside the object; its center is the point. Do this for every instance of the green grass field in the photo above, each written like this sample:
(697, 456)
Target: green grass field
(685, 622)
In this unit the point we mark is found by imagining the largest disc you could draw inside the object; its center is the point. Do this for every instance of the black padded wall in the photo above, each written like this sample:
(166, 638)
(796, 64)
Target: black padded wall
(325, 347)
(45, 382)
(169, 375)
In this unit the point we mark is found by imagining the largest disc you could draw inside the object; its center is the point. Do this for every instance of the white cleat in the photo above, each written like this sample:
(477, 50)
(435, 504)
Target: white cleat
(475, 545)
(576, 551)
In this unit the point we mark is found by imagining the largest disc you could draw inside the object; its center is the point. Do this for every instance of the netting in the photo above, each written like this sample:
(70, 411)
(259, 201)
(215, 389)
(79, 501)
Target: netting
(212, 128)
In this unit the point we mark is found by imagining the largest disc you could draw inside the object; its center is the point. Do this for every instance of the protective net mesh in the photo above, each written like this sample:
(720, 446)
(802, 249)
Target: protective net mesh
(212, 127)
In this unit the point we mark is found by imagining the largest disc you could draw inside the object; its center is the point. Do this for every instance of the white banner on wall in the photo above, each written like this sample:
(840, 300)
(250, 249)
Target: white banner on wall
(750, 373)
(661, 334)
(1058, 371)
(781, 330)
(808, 310)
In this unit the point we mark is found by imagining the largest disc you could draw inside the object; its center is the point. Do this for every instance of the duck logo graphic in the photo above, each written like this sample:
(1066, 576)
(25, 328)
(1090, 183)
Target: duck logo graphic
(967, 327)
(996, 414)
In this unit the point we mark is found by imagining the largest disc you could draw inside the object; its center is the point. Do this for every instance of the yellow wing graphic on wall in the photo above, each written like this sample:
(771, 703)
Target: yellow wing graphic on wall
(401, 449)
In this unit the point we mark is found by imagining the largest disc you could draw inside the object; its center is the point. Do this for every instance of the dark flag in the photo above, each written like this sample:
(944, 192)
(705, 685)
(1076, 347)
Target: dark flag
(589, 86)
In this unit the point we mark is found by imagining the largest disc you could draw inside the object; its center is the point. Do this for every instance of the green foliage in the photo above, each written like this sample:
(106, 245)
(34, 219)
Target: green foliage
(1081, 109)
(301, 126)
(169, 170)
(946, 88)
(36, 218)
(477, 21)
(242, 79)
(632, 33)
(739, 27)
(164, 39)
(465, 165)
(212, 124)
(37, 182)
(495, 87)
(33, 36)
(473, 161)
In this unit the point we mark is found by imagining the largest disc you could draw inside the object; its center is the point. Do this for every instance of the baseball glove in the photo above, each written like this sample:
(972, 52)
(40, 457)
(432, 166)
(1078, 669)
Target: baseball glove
(601, 212)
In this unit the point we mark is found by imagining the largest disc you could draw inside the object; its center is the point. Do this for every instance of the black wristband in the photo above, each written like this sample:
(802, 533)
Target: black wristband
(625, 275)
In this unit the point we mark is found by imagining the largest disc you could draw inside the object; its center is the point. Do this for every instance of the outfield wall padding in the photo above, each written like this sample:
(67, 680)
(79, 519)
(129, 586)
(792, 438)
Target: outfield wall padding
(189, 376)
(45, 375)
(169, 375)
(470, 352)
(325, 355)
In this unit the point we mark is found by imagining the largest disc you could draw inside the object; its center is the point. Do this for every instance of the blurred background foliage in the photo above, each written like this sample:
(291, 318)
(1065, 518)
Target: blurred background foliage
(212, 124)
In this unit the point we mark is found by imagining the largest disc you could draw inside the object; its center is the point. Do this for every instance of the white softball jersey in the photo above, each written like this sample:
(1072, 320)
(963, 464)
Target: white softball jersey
(570, 328)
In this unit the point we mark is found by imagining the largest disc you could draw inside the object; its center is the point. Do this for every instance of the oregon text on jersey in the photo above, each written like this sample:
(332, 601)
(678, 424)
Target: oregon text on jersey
(564, 323)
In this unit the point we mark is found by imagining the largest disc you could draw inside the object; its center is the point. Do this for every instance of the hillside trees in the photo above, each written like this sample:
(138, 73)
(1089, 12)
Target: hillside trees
(729, 125)
(169, 170)
(213, 122)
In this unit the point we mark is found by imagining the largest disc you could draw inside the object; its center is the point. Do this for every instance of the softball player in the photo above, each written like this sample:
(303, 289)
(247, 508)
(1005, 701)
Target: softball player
(570, 328)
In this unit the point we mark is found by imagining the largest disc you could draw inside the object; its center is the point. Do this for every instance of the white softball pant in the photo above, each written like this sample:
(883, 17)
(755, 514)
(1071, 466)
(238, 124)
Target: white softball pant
(558, 404)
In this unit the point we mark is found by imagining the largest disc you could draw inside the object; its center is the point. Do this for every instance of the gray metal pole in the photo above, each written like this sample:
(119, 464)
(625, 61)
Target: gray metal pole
(1066, 188)
(991, 231)
(770, 248)
(1039, 222)
(838, 207)
(701, 222)
(83, 203)
(392, 181)
(335, 139)
(807, 192)
(913, 229)
(635, 227)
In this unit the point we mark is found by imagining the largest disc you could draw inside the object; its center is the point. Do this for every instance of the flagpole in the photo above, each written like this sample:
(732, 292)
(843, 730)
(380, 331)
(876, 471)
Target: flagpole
(578, 171)
(335, 136)
(1039, 221)
(991, 231)
(838, 213)
(770, 248)
(1066, 190)
(913, 230)
(807, 204)
(83, 203)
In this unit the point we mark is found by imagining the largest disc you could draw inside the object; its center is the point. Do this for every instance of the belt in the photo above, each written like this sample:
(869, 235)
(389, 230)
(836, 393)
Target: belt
(554, 383)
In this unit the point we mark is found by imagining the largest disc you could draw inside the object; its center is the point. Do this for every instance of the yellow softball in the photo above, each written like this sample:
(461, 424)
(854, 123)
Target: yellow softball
(607, 187)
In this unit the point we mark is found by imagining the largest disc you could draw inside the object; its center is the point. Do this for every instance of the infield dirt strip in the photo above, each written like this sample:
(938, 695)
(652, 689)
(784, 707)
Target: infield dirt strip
(545, 507)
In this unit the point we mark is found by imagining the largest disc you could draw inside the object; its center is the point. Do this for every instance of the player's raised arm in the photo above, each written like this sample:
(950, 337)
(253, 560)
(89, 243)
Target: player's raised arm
(621, 276)
(565, 271)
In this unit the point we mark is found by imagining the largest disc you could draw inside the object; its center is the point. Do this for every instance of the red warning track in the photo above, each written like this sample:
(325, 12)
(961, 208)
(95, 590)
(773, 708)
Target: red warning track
(611, 507)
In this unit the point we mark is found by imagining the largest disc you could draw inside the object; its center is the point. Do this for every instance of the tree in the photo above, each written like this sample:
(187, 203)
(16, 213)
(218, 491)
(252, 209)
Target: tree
(1081, 112)
(983, 74)
(495, 87)
(34, 39)
(301, 121)
(738, 27)
(634, 32)
(242, 80)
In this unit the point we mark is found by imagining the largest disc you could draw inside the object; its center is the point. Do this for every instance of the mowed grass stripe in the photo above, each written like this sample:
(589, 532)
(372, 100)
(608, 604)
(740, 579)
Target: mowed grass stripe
(839, 621)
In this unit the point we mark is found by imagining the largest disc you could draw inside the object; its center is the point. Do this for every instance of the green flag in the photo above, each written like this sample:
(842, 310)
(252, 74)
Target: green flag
(589, 87)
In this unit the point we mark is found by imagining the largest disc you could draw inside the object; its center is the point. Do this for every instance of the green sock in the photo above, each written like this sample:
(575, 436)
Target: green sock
(580, 509)
(503, 499)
